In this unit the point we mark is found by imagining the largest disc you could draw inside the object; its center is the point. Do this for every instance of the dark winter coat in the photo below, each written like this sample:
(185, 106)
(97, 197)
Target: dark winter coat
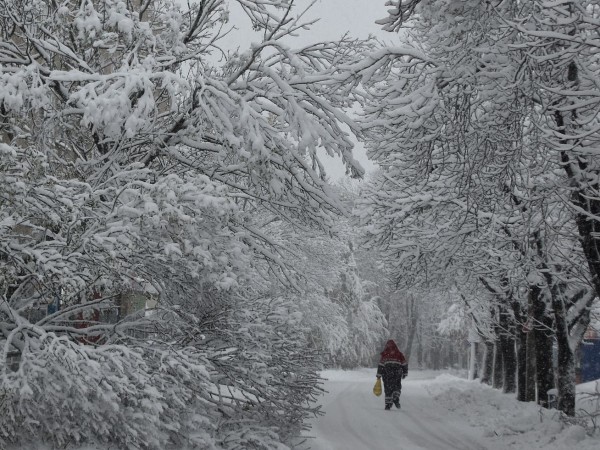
(392, 369)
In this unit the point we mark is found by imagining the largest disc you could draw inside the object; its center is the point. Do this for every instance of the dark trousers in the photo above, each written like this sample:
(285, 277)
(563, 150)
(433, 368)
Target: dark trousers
(392, 385)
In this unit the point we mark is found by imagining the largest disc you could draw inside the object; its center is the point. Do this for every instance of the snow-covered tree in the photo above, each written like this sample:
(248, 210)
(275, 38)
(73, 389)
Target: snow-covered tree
(477, 162)
(138, 159)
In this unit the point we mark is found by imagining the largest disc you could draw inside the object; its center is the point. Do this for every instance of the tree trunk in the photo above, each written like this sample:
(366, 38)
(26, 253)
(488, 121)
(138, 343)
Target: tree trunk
(505, 356)
(509, 365)
(585, 198)
(530, 368)
(565, 362)
(544, 369)
(542, 339)
(565, 380)
(473, 360)
(497, 374)
(487, 366)
(507, 348)
(521, 343)
(435, 358)
(419, 350)
(533, 297)
(522, 366)
(445, 356)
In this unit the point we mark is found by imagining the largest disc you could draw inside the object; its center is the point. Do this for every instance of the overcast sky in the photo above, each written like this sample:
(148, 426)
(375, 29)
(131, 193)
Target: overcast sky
(340, 16)
(336, 17)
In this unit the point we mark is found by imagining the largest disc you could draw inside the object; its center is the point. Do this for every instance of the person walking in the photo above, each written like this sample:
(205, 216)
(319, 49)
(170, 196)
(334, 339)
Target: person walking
(393, 368)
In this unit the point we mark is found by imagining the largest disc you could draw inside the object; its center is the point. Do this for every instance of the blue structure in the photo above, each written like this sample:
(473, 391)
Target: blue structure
(590, 360)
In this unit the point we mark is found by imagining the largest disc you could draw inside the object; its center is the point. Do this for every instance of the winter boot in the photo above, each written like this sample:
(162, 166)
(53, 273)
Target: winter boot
(396, 398)
(388, 406)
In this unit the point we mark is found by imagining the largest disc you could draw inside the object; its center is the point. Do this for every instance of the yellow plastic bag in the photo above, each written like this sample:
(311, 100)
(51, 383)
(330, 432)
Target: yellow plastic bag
(377, 387)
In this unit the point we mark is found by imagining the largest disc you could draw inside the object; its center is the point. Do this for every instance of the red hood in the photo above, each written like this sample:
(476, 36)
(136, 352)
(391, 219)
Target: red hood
(392, 353)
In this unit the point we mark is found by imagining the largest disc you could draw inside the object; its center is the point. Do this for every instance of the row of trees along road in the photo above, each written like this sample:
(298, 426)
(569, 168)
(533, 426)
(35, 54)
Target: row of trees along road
(487, 134)
(138, 159)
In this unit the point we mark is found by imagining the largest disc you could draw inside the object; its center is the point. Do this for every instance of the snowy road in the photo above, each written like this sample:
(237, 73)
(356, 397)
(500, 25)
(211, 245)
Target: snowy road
(355, 419)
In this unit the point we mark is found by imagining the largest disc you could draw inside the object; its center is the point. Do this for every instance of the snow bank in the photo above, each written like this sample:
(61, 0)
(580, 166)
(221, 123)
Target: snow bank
(512, 424)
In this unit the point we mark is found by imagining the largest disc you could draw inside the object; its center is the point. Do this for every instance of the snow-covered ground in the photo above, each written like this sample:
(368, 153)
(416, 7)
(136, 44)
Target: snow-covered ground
(439, 411)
